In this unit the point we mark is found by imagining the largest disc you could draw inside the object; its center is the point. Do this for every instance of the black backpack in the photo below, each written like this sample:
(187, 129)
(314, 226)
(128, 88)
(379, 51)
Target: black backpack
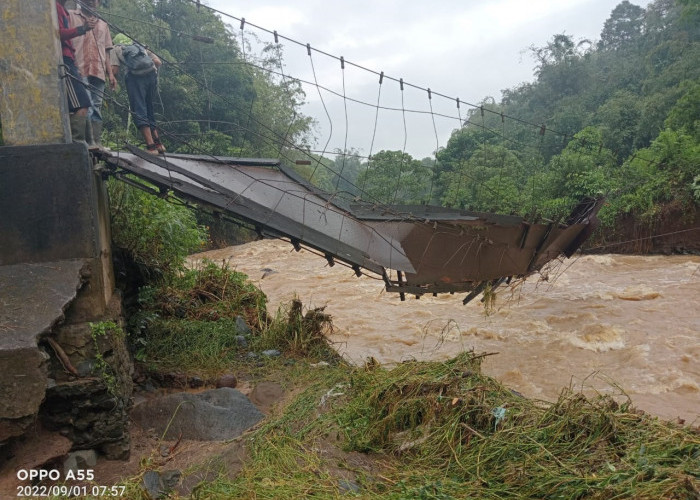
(137, 59)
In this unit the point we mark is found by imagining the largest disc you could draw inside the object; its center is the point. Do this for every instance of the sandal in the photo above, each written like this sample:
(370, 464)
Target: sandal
(159, 146)
(152, 149)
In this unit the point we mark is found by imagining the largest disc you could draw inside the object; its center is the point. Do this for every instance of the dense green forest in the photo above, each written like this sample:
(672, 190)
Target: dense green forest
(619, 117)
(615, 117)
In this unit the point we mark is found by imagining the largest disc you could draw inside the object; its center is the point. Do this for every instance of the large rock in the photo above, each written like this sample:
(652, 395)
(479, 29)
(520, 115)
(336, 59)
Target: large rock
(214, 415)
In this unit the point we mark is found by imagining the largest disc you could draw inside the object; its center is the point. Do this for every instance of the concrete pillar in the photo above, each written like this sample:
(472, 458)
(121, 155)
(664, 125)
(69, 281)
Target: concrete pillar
(33, 107)
(55, 263)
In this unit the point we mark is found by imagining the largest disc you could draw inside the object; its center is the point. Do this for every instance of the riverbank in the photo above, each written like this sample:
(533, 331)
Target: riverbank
(417, 429)
(429, 430)
(676, 230)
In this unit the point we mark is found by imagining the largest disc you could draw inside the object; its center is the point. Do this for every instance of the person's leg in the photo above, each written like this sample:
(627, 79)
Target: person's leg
(78, 100)
(89, 138)
(137, 89)
(156, 139)
(152, 93)
(151, 146)
(97, 88)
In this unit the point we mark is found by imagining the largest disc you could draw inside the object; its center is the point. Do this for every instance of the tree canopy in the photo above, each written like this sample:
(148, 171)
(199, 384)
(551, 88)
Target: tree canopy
(615, 117)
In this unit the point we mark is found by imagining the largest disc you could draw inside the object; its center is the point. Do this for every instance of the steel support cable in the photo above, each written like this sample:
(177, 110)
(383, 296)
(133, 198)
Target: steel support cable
(325, 109)
(159, 27)
(503, 157)
(374, 131)
(437, 147)
(533, 204)
(285, 139)
(345, 145)
(206, 84)
(651, 237)
(347, 125)
(405, 141)
(461, 165)
(417, 87)
(481, 183)
(252, 101)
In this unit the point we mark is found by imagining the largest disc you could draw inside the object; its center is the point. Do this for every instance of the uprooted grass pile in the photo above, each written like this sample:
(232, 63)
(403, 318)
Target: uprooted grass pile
(477, 439)
(298, 333)
(209, 317)
(207, 293)
(441, 430)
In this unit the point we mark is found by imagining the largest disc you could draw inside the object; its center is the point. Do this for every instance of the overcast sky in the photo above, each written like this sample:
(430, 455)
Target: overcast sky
(460, 48)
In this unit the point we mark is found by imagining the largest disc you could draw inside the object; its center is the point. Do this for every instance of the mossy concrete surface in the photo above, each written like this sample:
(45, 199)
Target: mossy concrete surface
(32, 101)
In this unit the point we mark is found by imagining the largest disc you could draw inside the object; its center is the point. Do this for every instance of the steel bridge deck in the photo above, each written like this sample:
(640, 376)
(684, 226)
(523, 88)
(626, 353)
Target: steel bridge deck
(415, 249)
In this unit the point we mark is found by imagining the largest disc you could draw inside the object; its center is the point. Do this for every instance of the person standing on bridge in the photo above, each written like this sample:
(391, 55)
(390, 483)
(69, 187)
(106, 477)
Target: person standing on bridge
(92, 59)
(78, 98)
(141, 84)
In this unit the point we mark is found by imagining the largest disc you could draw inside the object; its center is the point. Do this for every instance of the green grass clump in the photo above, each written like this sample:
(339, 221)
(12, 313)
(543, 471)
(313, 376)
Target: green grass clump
(298, 333)
(207, 293)
(190, 322)
(442, 430)
(478, 439)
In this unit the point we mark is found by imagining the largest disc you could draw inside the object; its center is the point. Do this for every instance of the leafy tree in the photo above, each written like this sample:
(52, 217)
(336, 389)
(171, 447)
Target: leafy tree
(490, 180)
(346, 169)
(618, 119)
(211, 88)
(394, 177)
(630, 102)
(685, 115)
(583, 169)
(623, 27)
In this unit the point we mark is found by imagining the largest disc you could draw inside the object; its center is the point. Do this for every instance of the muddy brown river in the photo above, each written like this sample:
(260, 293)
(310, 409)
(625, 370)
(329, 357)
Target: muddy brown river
(606, 323)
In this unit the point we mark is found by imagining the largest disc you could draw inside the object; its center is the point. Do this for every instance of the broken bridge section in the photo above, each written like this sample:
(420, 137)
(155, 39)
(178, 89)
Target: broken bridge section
(415, 249)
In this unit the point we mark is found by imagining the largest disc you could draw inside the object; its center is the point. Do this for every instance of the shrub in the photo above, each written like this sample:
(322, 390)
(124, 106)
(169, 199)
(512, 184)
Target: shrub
(157, 234)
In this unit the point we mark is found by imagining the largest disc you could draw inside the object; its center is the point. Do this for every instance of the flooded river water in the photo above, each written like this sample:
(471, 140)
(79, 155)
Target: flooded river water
(598, 322)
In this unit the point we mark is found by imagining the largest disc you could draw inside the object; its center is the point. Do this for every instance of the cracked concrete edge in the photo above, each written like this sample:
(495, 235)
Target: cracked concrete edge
(33, 300)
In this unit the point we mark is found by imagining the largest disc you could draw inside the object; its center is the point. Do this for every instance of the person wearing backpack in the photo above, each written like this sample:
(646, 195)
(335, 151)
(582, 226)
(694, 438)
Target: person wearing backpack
(141, 81)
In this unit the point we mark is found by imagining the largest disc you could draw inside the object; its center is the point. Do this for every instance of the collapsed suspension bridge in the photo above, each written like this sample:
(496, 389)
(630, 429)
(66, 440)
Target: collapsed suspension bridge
(414, 249)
